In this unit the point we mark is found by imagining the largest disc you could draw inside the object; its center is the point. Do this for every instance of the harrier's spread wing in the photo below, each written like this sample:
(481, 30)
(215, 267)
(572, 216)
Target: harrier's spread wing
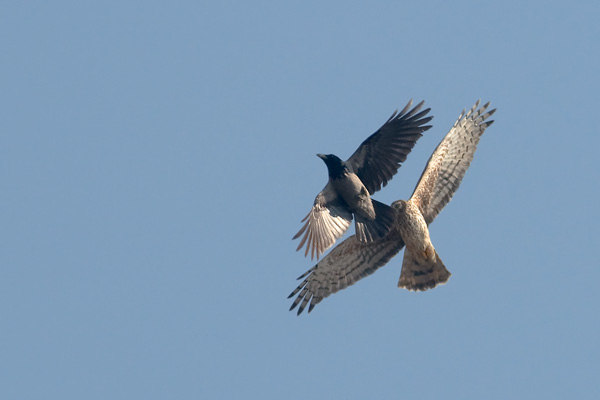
(449, 162)
(347, 263)
(378, 158)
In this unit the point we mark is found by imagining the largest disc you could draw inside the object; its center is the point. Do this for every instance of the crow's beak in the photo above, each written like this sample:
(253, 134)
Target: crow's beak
(322, 156)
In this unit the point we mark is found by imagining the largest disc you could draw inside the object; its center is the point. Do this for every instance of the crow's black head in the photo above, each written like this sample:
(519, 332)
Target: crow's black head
(335, 166)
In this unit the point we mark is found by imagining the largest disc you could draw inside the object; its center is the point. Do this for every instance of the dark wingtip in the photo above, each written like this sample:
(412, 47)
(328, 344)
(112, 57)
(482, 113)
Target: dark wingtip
(300, 309)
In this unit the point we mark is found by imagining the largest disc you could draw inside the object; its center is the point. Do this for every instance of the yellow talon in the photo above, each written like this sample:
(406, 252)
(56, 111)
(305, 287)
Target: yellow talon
(429, 253)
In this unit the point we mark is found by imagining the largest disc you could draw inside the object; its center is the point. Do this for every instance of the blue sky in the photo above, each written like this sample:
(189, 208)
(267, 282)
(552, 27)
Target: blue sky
(157, 157)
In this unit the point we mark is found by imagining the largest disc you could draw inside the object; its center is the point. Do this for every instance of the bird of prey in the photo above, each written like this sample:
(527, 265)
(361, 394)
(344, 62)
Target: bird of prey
(352, 182)
(422, 268)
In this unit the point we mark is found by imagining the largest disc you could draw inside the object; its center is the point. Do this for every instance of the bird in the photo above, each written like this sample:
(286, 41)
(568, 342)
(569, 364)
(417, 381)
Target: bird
(422, 268)
(352, 182)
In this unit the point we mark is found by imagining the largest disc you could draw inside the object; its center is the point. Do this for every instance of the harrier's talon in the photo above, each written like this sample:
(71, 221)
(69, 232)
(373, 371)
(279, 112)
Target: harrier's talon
(429, 254)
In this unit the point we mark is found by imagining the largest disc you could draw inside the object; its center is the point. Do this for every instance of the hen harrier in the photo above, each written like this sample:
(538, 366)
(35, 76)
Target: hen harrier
(422, 268)
(351, 183)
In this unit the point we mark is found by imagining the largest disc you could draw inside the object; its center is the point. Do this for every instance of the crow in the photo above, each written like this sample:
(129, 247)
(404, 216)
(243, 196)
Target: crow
(352, 182)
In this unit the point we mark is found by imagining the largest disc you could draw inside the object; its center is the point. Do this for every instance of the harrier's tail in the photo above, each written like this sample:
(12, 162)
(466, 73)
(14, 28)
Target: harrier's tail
(422, 274)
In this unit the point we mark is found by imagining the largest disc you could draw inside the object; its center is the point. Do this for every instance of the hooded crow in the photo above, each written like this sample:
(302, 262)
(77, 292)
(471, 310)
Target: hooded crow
(352, 182)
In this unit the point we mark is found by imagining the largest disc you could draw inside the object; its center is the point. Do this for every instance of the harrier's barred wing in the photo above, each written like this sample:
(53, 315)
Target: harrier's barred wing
(347, 263)
(378, 158)
(449, 162)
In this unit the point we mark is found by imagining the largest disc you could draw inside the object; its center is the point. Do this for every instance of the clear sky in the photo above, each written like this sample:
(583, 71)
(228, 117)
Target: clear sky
(156, 159)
